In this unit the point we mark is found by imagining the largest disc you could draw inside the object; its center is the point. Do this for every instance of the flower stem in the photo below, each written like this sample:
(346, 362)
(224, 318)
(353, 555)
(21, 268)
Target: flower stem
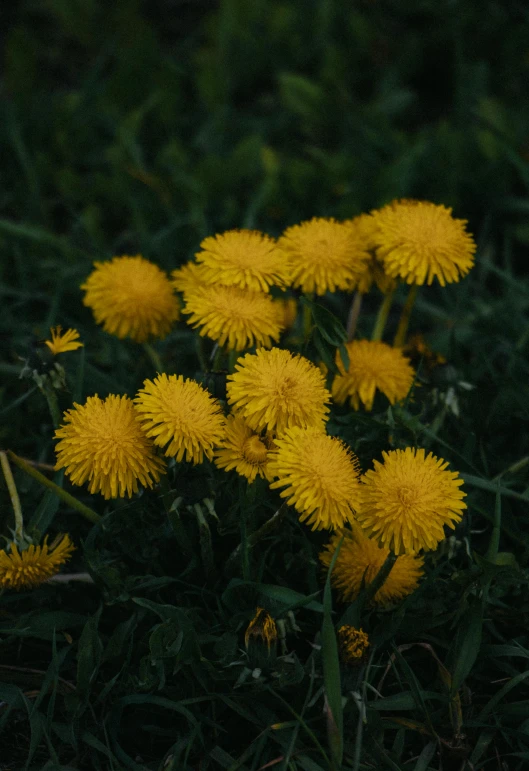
(307, 318)
(380, 577)
(402, 329)
(354, 313)
(13, 494)
(382, 316)
(154, 357)
(53, 404)
(86, 511)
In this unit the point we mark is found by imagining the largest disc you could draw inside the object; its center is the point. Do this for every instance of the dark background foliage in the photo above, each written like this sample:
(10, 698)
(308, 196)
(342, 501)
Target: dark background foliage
(136, 126)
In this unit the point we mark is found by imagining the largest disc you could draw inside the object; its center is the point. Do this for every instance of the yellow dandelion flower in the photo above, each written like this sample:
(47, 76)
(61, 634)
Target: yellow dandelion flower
(359, 560)
(353, 643)
(34, 565)
(262, 628)
(181, 417)
(244, 258)
(243, 450)
(237, 318)
(373, 366)
(276, 389)
(188, 278)
(408, 499)
(61, 342)
(320, 476)
(324, 255)
(102, 443)
(131, 297)
(418, 241)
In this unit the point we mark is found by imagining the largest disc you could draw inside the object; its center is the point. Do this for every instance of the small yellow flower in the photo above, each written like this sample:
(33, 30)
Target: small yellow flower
(131, 297)
(61, 342)
(373, 366)
(359, 560)
(101, 443)
(418, 241)
(243, 450)
(275, 389)
(324, 255)
(247, 259)
(407, 500)
(188, 278)
(353, 643)
(320, 474)
(32, 566)
(261, 628)
(237, 318)
(181, 417)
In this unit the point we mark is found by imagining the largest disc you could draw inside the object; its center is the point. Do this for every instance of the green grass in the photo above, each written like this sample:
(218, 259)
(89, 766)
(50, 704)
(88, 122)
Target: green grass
(137, 127)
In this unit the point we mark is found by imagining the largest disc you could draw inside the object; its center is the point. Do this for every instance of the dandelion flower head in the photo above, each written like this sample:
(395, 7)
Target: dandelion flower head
(131, 297)
(63, 341)
(418, 241)
(243, 450)
(101, 443)
(273, 390)
(30, 567)
(244, 258)
(373, 365)
(407, 500)
(181, 417)
(320, 476)
(324, 255)
(261, 628)
(233, 317)
(353, 643)
(359, 560)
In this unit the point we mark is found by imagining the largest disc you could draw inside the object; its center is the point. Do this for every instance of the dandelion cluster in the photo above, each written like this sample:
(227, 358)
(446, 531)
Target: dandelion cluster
(275, 427)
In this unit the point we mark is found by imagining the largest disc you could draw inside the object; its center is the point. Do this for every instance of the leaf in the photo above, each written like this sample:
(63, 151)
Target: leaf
(331, 669)
(330, 328)
(467, 644)
(88, 654)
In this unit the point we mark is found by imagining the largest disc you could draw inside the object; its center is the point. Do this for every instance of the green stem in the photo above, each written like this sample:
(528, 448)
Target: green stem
(217, 358)
(402, 329)
(380, 577)
(13, 494)
(154, 357)
(232, 358)
(307, 319)
(269, 526)
(354, 313)
(382, 316)
(53, 404)
(86, 511)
